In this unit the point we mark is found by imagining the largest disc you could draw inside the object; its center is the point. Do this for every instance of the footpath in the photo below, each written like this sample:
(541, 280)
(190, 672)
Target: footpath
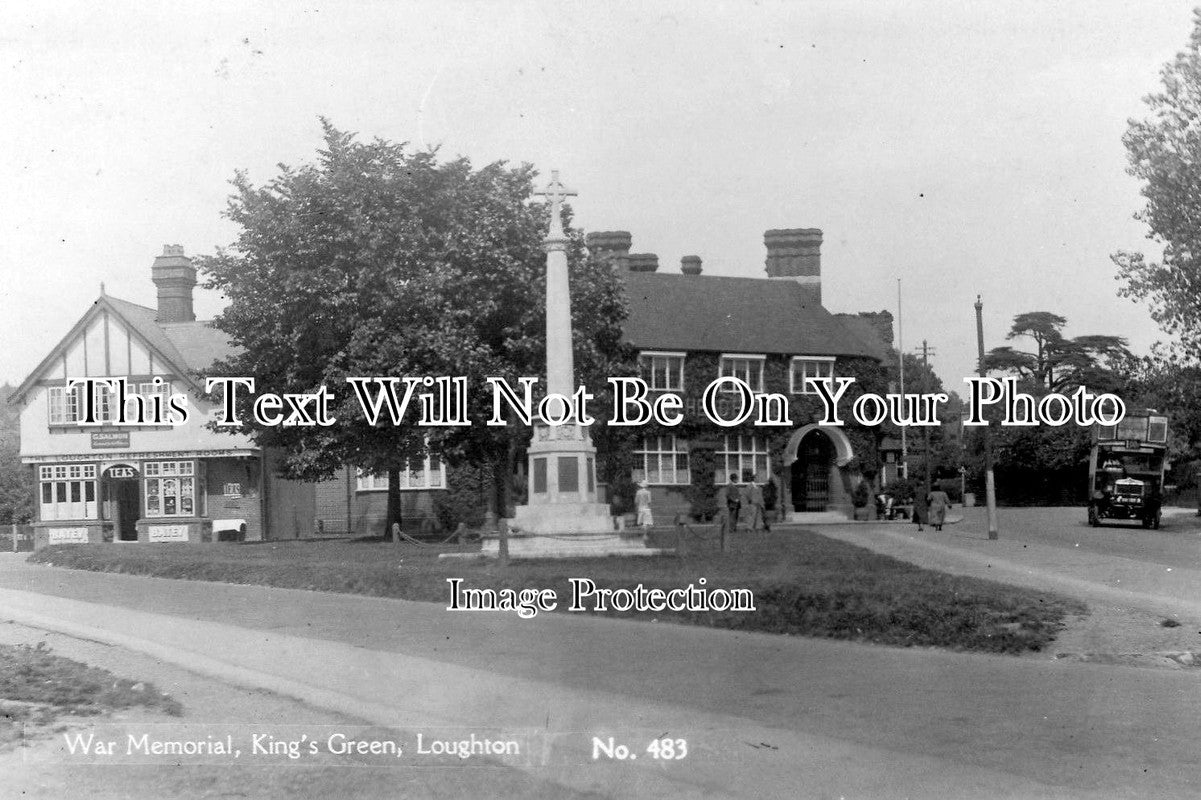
(1129, 598)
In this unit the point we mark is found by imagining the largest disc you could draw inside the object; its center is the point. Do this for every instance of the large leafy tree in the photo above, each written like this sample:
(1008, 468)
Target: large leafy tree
(1165, 155)
(380, 261)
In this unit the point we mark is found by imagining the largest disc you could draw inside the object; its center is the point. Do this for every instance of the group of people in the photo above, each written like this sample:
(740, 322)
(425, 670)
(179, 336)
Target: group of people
(734, 500)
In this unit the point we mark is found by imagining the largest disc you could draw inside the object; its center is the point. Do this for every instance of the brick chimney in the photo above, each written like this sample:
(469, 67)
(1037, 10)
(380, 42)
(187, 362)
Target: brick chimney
(611, 246)
(175, 277)
(642, 262)
(795, 254)
(690, 265)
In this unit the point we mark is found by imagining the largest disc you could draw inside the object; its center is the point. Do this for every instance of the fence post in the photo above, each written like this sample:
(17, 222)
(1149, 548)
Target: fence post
(14, 529)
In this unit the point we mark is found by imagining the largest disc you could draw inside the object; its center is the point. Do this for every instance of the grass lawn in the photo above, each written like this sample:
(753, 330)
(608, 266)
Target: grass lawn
(803, 584)
(37, 687)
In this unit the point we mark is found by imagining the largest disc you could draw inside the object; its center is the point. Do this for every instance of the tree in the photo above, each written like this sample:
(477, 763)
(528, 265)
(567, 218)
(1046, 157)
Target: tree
(1098, 361)
(379, 261)
(1045, 464)
(16, 479)
(1165, 155)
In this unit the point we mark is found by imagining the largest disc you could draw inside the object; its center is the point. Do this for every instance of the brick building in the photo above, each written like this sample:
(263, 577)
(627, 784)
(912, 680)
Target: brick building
(108, 482)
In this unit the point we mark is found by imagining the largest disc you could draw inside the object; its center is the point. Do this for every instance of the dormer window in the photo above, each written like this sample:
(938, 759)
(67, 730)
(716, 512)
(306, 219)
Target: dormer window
(807, 369)
(663, 372)
(747, 368)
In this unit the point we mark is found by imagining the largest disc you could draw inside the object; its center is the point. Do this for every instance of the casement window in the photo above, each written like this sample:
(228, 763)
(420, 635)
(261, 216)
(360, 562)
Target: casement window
(740, 455)
(67, 491)
(662, 460)
(170, 488)
(64, 405)
(807, 369)
(68, 406)
(419, 473)
(746, 368)
(663, 371)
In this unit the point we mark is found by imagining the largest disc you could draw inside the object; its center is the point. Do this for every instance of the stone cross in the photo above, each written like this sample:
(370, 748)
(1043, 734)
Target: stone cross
(555, 192)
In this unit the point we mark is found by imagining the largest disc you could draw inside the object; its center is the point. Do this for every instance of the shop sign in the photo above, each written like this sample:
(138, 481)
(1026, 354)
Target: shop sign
(117, 471)
(110, 439)
(68, 536)
(167, 533)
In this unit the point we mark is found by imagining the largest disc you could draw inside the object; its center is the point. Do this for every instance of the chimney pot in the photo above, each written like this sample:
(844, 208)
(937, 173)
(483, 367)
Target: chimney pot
(175, 277)
(609, 245)
(642, 262)
(795, 254)
(690, 265)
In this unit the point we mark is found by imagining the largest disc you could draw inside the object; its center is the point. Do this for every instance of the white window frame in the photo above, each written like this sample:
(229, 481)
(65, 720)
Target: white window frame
(646, 360)
(657, 450)
(430, 476)
(749, 358)
(820, 364)
(63, 405)
(737, 451)
(179, 480)
(62, 482)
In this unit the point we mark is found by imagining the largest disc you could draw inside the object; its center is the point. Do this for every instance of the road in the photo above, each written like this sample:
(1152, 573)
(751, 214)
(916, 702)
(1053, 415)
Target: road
(1175, 544)
(766, 716)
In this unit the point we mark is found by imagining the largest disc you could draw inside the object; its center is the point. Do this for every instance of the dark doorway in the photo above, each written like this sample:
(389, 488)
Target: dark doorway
(811, 473)
(127, 506)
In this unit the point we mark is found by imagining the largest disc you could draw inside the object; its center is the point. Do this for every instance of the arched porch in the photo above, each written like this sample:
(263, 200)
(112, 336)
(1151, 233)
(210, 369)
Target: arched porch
(816, 478)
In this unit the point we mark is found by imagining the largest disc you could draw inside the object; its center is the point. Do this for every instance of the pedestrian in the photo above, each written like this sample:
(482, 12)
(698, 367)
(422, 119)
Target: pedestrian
(938, 502)
(642, 504)
(729, 503)
(752, 498)
(919, 510)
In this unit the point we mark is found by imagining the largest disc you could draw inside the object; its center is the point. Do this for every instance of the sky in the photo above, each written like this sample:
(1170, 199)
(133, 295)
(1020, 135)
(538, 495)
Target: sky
(961, 148)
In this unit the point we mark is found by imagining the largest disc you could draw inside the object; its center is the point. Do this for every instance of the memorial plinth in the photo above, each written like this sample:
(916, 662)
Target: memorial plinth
(563, 518)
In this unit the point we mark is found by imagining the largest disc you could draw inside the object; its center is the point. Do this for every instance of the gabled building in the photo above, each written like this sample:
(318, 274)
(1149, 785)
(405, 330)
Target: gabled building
(112, 483)
(107, 482)
(772, 332)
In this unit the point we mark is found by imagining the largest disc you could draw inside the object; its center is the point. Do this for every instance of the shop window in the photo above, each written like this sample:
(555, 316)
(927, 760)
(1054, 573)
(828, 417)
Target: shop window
(67, 491)
(170, 488)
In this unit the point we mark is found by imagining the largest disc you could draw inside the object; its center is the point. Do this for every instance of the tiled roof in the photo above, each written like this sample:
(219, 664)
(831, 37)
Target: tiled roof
(670, 311)
(190, 345)
(865, 331)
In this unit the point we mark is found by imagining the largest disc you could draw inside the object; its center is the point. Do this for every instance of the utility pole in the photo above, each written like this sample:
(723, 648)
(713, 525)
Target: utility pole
(926, 352)
(990, 486)
(901, 359)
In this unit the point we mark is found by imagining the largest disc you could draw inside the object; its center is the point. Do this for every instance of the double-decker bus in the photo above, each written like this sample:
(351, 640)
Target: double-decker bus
(1126, 468)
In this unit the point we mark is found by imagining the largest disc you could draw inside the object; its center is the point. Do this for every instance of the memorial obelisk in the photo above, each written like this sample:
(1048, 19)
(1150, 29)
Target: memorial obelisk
(562, 517)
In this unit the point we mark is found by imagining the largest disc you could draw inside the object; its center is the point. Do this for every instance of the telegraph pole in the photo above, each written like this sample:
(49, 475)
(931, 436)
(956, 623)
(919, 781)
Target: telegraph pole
(990, 486)
(926, 352)
(901, 359)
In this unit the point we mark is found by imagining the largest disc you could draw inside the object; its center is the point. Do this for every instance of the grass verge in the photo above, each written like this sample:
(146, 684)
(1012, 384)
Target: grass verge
(803, 583)
(38, 687)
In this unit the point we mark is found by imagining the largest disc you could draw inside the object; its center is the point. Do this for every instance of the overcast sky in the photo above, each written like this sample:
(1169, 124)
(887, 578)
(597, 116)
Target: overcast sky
(962, 147)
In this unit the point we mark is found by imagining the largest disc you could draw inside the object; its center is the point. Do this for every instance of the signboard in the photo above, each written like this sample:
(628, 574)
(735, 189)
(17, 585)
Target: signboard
(233, 490)
(121, 471)
(68, 535)
(110, 440)
(167, 533)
